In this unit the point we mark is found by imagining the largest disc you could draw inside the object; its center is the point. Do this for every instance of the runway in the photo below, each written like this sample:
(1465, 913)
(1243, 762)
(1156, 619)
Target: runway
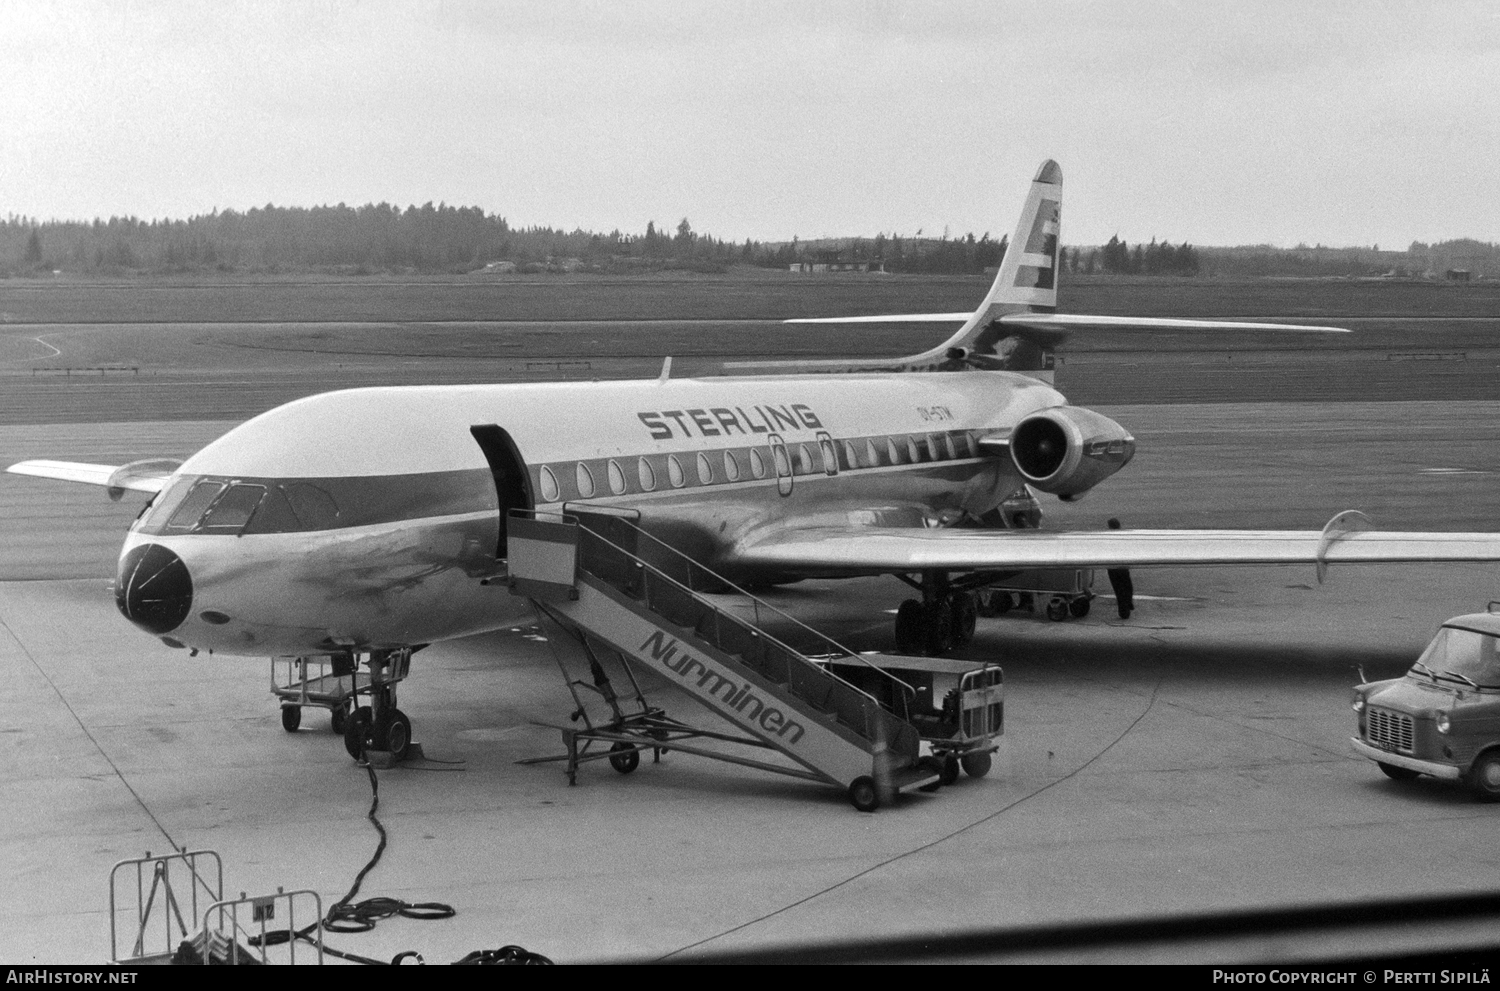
(1192, 759)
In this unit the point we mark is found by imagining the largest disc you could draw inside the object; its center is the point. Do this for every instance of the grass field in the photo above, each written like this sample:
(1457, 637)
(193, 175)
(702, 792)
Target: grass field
(750, 294)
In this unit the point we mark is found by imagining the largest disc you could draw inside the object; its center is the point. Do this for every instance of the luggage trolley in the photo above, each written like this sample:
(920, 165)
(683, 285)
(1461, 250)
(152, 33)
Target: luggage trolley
(326, 681)
(959, 709)
(1066, 593)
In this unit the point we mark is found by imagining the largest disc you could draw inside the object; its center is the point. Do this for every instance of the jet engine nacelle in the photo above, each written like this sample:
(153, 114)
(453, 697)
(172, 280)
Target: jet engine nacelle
(1068, 450)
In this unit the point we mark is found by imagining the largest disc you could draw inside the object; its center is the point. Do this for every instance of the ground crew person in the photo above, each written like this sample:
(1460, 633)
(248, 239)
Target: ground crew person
(1119, 580)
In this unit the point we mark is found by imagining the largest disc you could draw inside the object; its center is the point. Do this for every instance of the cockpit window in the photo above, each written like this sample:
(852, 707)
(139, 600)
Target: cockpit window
(161, 505)
(314, 507)
(187, 514)
(232, 510)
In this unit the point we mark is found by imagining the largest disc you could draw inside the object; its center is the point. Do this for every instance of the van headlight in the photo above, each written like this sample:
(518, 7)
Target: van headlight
(1358, 705)
(1442, 722)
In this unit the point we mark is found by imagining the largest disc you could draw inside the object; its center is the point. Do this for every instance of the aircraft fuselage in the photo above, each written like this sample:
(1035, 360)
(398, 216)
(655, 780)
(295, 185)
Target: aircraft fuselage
(365, 518)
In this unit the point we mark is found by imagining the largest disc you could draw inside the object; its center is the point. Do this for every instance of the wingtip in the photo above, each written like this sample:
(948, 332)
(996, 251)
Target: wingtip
(1050, 172)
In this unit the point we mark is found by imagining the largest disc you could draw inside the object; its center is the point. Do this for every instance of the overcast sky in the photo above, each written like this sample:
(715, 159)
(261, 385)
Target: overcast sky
(1216, 122)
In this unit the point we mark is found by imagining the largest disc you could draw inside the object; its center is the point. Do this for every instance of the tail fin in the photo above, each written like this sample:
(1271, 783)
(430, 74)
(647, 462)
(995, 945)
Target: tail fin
(1028, 273)
(1027, 280)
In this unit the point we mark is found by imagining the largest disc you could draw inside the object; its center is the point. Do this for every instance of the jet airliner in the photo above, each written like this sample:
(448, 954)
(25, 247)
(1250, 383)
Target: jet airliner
(364, 520)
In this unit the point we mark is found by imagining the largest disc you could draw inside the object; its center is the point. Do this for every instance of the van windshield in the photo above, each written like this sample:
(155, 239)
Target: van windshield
(1462, 656)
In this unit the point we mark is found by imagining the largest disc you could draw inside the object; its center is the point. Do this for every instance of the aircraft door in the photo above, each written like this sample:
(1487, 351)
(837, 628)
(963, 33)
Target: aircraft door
(512, 480)
(782, 459)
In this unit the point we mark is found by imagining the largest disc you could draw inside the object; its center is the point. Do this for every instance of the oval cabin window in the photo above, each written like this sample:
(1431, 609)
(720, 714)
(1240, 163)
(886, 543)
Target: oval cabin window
(585, 481)
(550, 491)
(706, 469)
(731, 466)
(872, 455)
(850, 455)
(644, 472)
(757, 463)
(912, 451)
(616, 478)
(804, 460)
(674, 472)
(892, 451)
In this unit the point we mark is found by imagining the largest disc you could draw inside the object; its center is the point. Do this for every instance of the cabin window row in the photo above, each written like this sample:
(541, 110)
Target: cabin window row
(615, 476)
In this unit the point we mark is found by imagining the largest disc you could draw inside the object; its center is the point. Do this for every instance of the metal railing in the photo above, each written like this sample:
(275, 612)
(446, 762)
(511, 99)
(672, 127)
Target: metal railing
(200, 872)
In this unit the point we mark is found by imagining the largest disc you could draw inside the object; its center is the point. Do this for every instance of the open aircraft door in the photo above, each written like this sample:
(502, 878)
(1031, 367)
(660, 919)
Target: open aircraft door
(512, 480)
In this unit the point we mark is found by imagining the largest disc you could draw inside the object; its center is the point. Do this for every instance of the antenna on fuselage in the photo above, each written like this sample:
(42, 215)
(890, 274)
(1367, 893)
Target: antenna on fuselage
(666, 369)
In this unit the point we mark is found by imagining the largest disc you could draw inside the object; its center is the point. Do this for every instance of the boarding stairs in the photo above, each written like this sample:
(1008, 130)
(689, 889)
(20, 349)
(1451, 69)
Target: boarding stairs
(622, 598)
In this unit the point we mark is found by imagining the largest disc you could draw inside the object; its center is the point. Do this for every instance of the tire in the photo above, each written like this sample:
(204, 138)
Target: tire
(965, 611)
(939, 629)
(1484, 776)
(291, 717)
(1397, 773)
(1079, 607)
(950, 770)
(1057, 610)
(356, 731)
(931, 765)
(340, 718)
(977, 765)
(395, 735)
(624, 757)
(863, 794)
(909, 627)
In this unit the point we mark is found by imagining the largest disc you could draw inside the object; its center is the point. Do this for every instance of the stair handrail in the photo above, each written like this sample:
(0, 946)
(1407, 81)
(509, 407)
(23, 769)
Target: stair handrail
(840, 648)
(569, 518)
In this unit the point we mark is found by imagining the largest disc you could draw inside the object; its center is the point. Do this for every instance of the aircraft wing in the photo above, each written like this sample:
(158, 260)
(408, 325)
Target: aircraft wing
(138, 476)
(835, 550)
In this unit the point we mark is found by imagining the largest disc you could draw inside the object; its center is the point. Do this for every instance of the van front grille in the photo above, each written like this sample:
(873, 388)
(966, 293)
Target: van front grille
(1389, 730)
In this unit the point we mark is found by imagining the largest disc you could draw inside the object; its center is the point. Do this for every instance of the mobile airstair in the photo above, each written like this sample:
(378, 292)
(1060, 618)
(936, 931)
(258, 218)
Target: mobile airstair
(621, 598)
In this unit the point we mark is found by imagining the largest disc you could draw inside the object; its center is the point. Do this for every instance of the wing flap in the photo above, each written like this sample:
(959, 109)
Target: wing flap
(874, 550)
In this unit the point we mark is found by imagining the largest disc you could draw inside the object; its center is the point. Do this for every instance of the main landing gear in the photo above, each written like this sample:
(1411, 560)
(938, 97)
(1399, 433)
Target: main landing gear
(943, 619)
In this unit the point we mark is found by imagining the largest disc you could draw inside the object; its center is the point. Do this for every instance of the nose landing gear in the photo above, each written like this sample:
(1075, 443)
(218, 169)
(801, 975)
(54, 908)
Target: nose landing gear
(380, 727)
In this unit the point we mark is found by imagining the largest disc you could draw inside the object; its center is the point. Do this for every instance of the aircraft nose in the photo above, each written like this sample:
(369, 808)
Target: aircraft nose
(153, 588)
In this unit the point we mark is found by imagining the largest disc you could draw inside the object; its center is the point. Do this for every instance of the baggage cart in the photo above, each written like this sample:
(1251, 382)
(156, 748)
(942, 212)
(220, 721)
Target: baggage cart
(1063, 593)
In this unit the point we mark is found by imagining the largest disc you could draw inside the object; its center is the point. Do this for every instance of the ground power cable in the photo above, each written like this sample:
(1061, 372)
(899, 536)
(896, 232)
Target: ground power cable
(349, 916)
(925, 846)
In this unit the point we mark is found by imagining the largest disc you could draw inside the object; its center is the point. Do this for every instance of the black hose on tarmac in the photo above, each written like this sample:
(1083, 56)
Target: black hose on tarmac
(348, 916)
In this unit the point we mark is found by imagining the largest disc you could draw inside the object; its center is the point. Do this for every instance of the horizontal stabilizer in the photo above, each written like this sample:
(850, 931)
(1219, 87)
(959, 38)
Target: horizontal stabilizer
(891, 318)
(1062, 324)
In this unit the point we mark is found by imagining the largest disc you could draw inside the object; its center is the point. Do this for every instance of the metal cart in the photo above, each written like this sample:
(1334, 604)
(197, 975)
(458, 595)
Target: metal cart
(1062, 592)
(326, 681)
(959, 709)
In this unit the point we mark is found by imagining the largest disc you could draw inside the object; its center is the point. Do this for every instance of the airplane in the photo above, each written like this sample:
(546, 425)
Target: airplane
(366, 519)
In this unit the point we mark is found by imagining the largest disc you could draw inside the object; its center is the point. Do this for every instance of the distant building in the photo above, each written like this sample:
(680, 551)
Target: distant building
(817, 268)
(1458, 275)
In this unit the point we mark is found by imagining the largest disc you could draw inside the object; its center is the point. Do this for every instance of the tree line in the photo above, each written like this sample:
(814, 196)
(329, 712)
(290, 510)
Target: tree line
(442, 238)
